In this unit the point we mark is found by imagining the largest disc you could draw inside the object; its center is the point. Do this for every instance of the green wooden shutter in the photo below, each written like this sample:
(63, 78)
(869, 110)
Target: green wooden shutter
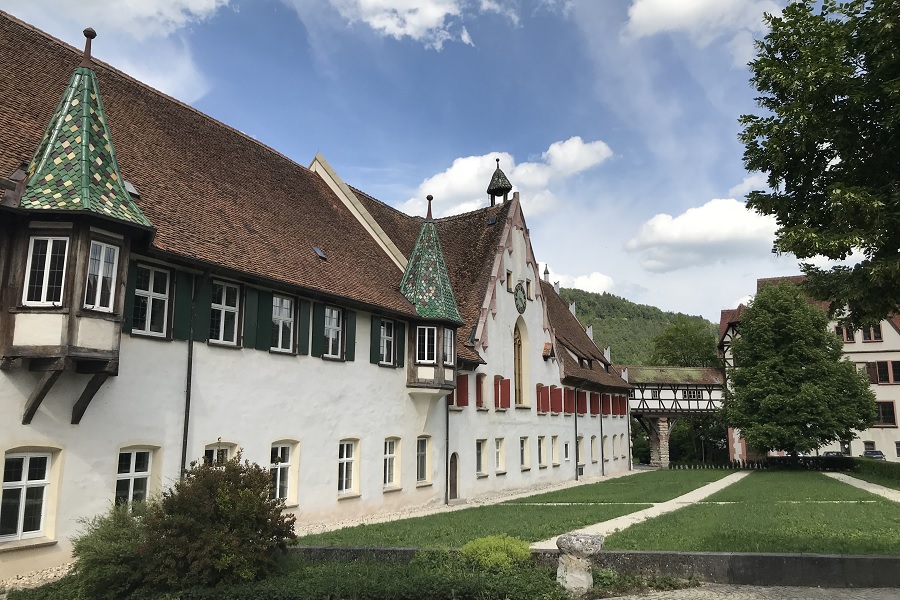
(251, 301)
(349, 335)
(264, 322)
(318, 330)
(203, 310)
(130, 285)
(181, 313)
(303, 328)
(400, 344)
(375, 341)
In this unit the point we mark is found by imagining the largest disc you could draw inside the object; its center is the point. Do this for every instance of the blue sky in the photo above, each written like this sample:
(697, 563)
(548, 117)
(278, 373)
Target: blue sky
(615, 119)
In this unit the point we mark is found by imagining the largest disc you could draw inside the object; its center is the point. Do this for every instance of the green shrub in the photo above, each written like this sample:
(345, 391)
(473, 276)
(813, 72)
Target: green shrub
(67, 588)
(496, 553)
(108, 562)
(881, 468)
(217, 525)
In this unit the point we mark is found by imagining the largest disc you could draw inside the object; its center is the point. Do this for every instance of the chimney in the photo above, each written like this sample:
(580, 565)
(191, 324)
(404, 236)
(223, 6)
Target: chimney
(589, 330)
(606, 355)
(572, 309)
(556, 287)
(546, 272)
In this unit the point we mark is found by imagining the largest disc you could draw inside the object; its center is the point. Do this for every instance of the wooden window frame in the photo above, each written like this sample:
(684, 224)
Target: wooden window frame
(422, 345)
(423, 459)
(104, 246)
(45, 276)
(280, 469)
(279, 321)
(132, 474)
(348, 476)
(223, 308)
(338, 330)
(879, 416)
(449, 347)
(151, 295)
(391, 464)
(24, 484)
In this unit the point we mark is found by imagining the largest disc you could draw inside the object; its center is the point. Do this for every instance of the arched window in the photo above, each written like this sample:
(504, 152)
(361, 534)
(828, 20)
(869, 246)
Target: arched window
(517, 365)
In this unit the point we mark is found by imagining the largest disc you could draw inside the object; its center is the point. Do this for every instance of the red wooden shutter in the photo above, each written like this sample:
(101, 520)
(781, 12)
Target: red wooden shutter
(595, 403)
(570, 401)
(479, 389)
(462, 390)
(538, 392)
(555, 399)
(606, 404)
(504, 392)
(582, 402)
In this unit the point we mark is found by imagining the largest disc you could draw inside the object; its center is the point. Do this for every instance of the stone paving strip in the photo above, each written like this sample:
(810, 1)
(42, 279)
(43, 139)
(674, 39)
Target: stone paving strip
(884, 492)
(692, 497)
(718, 591)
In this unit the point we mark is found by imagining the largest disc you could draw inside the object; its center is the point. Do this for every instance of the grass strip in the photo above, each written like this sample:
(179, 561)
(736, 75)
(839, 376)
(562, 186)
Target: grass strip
(888, 482)
(453, 529)
(756, 524)
(649, 486)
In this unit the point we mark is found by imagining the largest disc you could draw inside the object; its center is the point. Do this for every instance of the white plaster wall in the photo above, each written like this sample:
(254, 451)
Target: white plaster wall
(470, 424)
(247, 397)
(97, 334)
(36, 329)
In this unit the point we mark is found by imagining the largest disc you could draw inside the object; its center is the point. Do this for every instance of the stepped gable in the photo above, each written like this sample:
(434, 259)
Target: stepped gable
(569, 333)
(675, 375)
(214, 194)
(469, 245)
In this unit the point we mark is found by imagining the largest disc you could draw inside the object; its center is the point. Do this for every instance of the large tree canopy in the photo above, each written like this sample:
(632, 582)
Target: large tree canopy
(686, 343)
(829, 142)
(790, 388)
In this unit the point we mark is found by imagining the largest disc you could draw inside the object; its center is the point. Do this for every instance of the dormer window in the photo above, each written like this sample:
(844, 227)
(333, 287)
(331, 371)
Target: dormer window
(99, 290)
(46, 270)
(425, 344)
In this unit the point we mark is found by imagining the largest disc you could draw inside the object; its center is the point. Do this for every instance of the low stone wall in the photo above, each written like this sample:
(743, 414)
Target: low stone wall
(806, 570)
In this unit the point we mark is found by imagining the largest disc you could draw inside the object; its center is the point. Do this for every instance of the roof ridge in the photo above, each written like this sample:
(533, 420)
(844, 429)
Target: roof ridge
(108, 67)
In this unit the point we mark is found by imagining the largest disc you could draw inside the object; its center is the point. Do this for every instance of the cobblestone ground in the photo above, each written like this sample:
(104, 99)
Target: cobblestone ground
(716, 591)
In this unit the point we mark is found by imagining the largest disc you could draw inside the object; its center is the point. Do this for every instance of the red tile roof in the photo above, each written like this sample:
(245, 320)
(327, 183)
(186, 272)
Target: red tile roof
(214, 194)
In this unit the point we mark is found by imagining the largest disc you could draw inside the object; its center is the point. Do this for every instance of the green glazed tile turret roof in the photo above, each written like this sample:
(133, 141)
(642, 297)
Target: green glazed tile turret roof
(75, 166)
(426, 282)
(499, 185)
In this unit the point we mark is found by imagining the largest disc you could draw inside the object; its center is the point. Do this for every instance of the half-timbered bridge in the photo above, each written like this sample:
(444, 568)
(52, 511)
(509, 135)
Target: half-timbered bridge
(662, 395)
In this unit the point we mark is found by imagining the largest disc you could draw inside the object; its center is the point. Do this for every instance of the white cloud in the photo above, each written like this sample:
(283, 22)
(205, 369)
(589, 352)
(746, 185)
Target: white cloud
(703, 20)
(139, 37)
(595, 282)
(718, 231)
(752, 182)
(463, 186)
(505, 8)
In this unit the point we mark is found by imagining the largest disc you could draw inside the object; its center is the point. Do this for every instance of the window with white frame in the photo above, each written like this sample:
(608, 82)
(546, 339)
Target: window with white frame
(99, 290)
(151, 301)
(566, 451)
(425, 344)
(542, 451)
(282, 323)
(45, 270)
(217, 454)
(26, 479)
(654, 394)
(449, 347)
(391, 470)
(479, 456)
(423, 473)
(223, 321)
(499, 455)
(693, 394)
(346, 466)
(132, 475)
(334, 325)
(386, 344)
(280, 469)
(554, 449)
(524, 453)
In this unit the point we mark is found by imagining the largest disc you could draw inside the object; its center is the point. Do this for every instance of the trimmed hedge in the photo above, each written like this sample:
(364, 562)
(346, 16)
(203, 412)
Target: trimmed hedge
(881, 468)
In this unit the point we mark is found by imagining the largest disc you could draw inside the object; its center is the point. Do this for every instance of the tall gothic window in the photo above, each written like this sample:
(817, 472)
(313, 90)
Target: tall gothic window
(517, 365)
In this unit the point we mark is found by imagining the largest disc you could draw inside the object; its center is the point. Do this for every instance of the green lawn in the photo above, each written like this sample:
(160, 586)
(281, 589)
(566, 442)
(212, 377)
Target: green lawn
(776, 511)
(453, 529)
(650, 486)
(882, 480)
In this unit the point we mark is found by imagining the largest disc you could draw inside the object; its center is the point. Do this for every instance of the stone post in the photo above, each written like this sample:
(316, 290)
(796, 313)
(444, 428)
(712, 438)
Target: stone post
(575, 572)
(659, 444)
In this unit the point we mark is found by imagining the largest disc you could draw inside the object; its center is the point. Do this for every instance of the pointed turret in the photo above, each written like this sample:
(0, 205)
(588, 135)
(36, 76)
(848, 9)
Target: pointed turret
(426, 282)
(75, 166)
(500, 185)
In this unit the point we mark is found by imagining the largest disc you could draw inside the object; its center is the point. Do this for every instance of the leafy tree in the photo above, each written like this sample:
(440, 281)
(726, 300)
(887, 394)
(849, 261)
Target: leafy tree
(686, 343)
(829, 142)
(791, 388)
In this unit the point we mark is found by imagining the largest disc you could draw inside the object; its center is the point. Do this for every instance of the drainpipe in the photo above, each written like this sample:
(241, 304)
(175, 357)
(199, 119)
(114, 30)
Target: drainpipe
(577, 458)
(447, 453)
(190, 373)
(628, 429)
(602, 457)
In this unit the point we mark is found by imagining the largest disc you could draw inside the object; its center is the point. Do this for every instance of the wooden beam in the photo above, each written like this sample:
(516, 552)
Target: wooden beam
(90, 390)
(54, 363)
(37, 395)
(91, 367)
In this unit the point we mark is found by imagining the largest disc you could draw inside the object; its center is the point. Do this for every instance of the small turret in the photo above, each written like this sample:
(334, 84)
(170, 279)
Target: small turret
(499, 186)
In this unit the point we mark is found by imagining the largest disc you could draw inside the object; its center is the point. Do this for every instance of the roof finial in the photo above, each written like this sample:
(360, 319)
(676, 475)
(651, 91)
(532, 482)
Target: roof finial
(429, 197)
(498, 162)
(90, 34)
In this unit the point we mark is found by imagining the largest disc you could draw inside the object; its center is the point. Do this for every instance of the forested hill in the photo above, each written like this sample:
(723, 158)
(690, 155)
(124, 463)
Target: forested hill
(628, 328)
